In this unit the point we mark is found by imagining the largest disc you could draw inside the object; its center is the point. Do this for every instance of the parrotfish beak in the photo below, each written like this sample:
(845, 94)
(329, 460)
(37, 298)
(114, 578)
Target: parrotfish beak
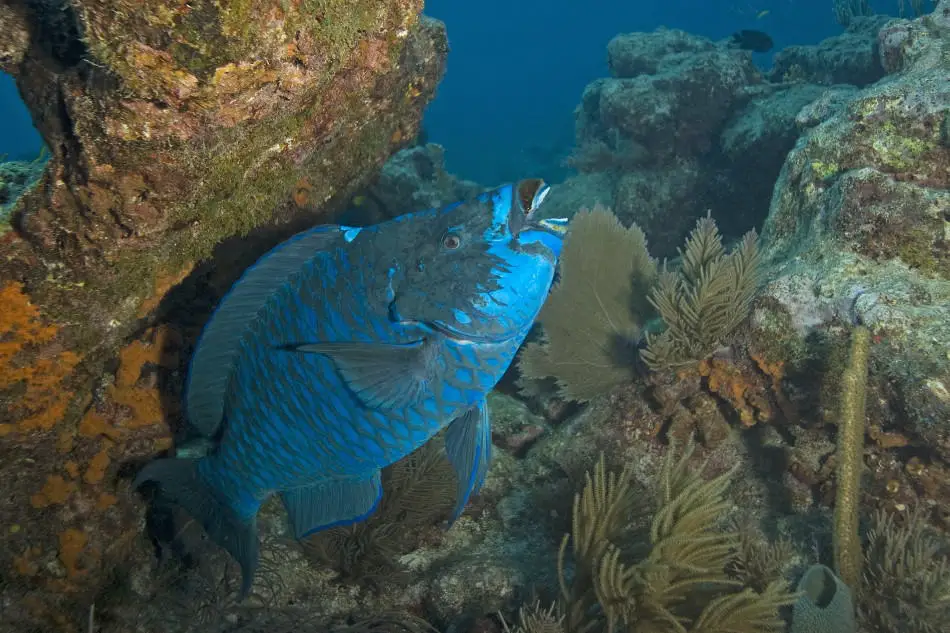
(526, 226)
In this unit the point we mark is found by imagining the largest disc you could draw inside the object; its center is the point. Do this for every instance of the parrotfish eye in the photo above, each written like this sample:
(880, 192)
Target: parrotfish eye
(451, 241)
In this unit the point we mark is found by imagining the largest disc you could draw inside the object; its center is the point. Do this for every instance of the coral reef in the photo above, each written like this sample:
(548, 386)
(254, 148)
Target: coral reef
(591, 324)
(173, 127)
(413, 179)
(651, 131)
(857, 227)
(16, 177)
(859, 217)
(678, 582)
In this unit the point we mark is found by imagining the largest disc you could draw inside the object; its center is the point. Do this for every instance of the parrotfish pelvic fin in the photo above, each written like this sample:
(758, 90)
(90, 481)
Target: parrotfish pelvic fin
(468, 447)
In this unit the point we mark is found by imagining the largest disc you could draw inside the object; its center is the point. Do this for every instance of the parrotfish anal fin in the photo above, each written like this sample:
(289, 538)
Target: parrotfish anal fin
(220, 341)
(331, 503)
(468, 447)
(383, 376)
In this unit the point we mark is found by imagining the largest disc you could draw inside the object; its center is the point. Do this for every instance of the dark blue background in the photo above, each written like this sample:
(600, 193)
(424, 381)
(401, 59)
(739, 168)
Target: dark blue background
(517, 69)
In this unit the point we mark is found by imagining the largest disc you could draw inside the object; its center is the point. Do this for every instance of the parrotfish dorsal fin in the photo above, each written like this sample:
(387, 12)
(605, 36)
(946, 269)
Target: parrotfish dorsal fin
(217, 349)
(382, 375)
(468, 447)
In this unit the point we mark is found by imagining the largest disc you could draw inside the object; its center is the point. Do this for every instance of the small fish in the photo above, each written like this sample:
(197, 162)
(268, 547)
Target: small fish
(751, 40)
(344, 349)
(762, 14)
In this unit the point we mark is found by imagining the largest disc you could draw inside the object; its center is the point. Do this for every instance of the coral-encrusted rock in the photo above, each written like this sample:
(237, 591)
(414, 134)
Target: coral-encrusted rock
(671, 92)
(172, 126)
(651, 127)
(902, 43)
(849, 58)
(861, 214)
(14, 36)
(412, 180)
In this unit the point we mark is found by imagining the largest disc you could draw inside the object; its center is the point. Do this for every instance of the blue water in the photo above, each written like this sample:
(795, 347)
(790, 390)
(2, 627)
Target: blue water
(19, 140)
(517, 68)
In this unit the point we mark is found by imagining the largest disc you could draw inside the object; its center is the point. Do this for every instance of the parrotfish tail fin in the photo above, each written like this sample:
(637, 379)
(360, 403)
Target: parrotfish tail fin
(468, 447)
(179, 481)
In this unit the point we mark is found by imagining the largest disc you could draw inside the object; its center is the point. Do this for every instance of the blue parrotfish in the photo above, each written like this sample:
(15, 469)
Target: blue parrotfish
(344, 349)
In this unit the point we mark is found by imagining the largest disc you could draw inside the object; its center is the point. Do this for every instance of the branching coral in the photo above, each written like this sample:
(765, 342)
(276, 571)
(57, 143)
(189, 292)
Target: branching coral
(679, 586)
(706, 299)
(592, 319)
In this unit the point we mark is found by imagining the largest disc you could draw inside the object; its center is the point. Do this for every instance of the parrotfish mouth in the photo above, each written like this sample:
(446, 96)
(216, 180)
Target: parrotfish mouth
(529, 194)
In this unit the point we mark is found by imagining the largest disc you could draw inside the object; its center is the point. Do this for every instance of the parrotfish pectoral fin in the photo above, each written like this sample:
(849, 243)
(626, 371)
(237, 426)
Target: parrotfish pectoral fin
(331, 503)
(179, 482)
(220, 341)
(468, 447)
(382, 376)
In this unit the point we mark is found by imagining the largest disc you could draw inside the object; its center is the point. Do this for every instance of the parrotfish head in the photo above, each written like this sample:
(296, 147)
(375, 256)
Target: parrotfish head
(477, 270)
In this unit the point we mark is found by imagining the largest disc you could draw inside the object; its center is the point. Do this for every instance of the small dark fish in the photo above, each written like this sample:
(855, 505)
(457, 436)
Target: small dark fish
(751, 40)
(344, 349)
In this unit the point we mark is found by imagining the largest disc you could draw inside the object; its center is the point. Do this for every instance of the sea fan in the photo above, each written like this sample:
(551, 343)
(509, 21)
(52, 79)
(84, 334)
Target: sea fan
(592, 319)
